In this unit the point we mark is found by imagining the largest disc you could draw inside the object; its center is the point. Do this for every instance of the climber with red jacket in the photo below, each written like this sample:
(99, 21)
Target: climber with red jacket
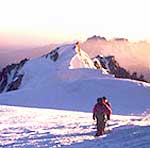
(100, 112)
(108, 103)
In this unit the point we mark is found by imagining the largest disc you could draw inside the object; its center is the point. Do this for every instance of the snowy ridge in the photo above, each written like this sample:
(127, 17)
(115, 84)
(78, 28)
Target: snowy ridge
(65, 76)
(53, 64)
(70, 56)
(58, 65)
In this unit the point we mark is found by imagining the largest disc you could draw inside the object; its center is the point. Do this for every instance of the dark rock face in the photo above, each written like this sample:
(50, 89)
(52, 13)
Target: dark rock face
(15, 84)
(112, 66)
(53, 54)
(10, 73)
(96, 38)
(121, 39)
(3, 80)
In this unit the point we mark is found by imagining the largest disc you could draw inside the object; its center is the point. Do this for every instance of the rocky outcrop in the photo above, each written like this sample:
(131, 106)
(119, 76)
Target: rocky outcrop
(96, 38)
(121, 39)
(9, 77)
(53, 55)
(112, 66)
(15, 84)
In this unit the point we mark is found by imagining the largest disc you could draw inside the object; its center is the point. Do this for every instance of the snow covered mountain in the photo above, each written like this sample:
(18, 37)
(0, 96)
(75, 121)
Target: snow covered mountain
(67, 75)
(61, 58)
(110, 64)
(67, 79)
(133, 56)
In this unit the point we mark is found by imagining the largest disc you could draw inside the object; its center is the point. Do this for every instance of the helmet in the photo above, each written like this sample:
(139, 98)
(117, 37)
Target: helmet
(105, 99)
(99, 99)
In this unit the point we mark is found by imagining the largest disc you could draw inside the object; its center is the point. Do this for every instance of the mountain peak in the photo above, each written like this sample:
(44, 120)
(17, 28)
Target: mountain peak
(70, 56)
(66, 77)
(121, 39)
(57, 64)
(96, 38)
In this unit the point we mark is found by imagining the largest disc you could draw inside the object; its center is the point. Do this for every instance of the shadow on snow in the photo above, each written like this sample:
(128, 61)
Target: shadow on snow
(128, 136)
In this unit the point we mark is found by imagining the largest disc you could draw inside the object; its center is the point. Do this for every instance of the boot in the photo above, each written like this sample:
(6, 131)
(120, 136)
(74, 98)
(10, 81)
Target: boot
(99, 133)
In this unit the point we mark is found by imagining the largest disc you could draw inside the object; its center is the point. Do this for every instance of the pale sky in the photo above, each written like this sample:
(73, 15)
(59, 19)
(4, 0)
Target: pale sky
(47, 21)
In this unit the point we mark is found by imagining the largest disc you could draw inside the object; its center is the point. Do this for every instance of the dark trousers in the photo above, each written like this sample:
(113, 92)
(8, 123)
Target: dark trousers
(101, 122)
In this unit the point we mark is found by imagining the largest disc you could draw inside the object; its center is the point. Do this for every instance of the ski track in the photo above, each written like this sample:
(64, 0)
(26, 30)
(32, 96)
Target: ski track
(30, 127)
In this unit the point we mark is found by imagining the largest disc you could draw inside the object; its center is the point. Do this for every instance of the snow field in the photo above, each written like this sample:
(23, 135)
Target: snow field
(31, 127)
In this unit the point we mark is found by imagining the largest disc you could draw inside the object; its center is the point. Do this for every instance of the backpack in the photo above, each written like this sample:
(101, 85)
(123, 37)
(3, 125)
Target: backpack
(100, 108)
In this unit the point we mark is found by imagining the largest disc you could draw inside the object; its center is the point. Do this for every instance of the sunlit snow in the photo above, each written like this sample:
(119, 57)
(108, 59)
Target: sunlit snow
(61, 96)
(30, 127)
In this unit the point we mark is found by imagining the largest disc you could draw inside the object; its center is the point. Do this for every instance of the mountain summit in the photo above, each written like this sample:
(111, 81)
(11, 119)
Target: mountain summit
(60, 59)
(64, 77)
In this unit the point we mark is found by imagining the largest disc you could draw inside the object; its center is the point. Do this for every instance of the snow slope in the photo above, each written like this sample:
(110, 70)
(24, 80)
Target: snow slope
(72, 82)
(45, 128)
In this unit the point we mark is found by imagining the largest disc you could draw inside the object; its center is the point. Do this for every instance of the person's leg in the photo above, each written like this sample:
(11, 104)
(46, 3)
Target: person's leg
(108, 117)
(99, 127)
(103, 125)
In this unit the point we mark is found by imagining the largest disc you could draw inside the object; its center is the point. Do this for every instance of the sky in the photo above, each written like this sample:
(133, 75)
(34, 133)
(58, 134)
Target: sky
(40, 22)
